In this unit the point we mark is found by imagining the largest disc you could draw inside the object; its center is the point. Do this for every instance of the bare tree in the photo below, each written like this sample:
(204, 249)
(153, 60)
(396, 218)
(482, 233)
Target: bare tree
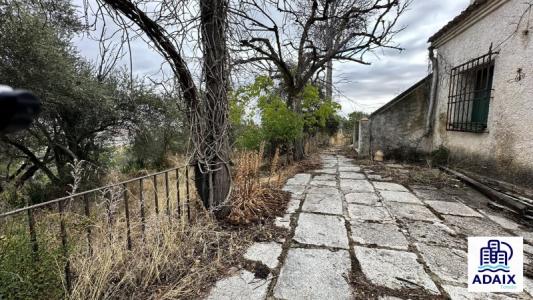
(298, 38)
(168, 24)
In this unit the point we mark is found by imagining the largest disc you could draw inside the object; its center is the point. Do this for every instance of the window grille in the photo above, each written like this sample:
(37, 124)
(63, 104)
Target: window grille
(470, 94)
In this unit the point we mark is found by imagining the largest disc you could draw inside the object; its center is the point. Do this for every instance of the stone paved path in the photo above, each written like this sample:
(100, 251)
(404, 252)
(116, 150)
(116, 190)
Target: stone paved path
(391, 238)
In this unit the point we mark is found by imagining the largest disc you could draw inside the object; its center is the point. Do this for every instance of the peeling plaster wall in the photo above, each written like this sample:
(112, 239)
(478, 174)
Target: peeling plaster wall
(398, 129)
(507, 148)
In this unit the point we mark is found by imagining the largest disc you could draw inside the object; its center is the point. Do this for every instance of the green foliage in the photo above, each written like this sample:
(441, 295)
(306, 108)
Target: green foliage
(22, 277)
(250, 137)
(158, 130)
(280, 124)
(319, 114)
(353, 120)
(85, 115)
(241, 100)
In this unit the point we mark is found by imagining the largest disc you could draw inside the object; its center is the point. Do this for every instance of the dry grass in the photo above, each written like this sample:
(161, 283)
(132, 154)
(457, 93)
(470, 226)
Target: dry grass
(254, 198)
(176, 261)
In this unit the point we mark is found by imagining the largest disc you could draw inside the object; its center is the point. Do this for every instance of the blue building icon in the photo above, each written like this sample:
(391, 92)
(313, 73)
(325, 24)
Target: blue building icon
(495, 257)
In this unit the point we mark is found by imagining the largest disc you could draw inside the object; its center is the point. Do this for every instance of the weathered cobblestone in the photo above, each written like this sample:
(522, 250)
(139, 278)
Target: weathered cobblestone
(396, 239)
(453, 208)
(323, 203)
(394, 269)
(266, 253)
(368, 213)
(395, 196)
(314, 274)
(351, 175)
(448, 264)
(242, 286)
(362, 198)
(384, 235)
(410, 211)
(389, 186)
(321, 230)
(434, 234)
(299, 179)
(356, 186)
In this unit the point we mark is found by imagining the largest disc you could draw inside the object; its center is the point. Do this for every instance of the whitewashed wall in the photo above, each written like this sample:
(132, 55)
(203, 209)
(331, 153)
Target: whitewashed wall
(509, 141)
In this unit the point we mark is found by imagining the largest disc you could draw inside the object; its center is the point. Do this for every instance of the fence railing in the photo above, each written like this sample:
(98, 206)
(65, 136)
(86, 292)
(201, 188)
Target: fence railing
(169, 192)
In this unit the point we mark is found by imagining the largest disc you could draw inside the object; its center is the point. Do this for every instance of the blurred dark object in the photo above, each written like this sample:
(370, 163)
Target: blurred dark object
(18, 108)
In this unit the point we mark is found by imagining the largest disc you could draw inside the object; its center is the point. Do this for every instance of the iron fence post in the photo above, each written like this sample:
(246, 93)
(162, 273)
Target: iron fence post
(155, 195)
(64, 244)
(167, 194)
(88, 226)
(188, 196)
(178, 191)
(127, 211)
(141, 199)
(33, 235)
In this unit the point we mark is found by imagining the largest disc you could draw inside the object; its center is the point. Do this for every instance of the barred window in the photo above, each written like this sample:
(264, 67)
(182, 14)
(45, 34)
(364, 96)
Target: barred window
(470, 94)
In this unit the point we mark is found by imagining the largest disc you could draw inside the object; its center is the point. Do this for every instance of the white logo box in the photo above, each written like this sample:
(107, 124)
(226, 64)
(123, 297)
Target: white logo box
(495, 264)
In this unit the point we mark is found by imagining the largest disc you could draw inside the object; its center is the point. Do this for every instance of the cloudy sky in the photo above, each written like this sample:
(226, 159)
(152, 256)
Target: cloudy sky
(358, 87)
(367, 88)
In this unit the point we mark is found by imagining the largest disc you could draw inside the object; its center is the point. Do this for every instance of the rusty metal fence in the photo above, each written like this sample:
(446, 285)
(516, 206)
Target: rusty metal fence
(169, 193)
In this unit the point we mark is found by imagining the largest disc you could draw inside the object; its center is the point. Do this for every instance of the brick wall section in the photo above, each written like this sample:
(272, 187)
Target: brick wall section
(398, 127)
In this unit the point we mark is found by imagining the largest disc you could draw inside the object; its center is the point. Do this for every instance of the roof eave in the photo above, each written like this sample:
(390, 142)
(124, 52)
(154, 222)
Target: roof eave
(471, 15)
(401, 96)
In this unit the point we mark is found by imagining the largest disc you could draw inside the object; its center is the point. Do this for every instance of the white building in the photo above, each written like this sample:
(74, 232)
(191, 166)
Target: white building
(484, 99)
(480, 101)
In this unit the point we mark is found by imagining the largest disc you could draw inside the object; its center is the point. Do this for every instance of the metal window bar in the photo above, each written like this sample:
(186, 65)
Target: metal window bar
(470, 92)
(65, 204)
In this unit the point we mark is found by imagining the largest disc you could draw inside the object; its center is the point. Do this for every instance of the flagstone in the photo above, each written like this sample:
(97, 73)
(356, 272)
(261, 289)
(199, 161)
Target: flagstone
(323, 203)
(395, 196)
(321, 230)
(356, 186)
(314, 274)
(394, 269)
(368, 213)
(380, 234)
(362, 198)
(389, 186)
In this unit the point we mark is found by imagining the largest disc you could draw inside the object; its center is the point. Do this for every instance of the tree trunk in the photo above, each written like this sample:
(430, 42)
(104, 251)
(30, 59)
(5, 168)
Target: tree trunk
(299, 149)
(212, 169)
(299, 143)
(329, 80)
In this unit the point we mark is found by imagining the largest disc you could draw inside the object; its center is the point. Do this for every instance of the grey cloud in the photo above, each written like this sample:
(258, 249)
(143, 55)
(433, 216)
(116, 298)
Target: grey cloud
(361, 87)
(392, 72)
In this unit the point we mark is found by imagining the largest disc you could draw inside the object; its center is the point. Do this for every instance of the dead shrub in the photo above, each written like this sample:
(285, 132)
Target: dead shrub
(252, 199)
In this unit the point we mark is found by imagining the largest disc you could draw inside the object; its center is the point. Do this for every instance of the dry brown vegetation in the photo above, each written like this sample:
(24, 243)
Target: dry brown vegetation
(180, 260)
(176, 261)
(255, 197)
(174, 258)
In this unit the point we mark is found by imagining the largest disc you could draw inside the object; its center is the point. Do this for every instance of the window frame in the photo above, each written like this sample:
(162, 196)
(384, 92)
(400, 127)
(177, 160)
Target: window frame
(470, 94)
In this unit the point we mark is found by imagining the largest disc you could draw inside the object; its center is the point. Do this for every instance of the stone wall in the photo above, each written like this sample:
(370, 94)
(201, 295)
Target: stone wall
(398, 127)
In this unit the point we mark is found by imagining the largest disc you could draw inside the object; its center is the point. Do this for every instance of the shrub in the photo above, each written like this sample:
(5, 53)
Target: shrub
(24, 276)
(250, 138)
(280, 124)
(440, 156)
